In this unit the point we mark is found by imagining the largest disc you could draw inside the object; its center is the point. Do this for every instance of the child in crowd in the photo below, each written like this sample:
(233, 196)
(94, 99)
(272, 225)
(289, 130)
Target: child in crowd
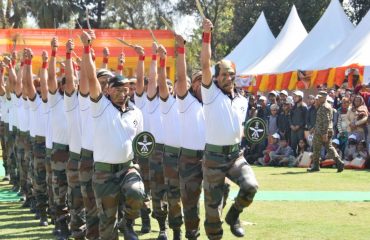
(284, 152)
(272, 126)
(273, 146)
(361, 150)
(351, 148)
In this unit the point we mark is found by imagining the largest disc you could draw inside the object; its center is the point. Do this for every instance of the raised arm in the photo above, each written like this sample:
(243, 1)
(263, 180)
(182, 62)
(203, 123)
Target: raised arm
(84, 82)
(2, 84)
(44, 76)
(105, 58)
(18, 83)
(121, 62)
(140, 70)
(52, 78)
(206, 53)
(11, 73)
(162, 75)
(152, 83)
(182, 87)
(69, 70)
(31, 90)
(94, 86)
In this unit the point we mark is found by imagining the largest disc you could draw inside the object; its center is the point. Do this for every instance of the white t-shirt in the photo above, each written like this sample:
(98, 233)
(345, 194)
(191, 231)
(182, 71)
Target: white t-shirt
(224, 117)
(23, 115)
(141, 103)
(58, 118)
(11, 111)
(4, 109)
(192, 123)
(48, 127)
(16, 105)
(170, 119)
(40, 117)
(87, 127)
(114, 132)
(155, 120)
(72, 109)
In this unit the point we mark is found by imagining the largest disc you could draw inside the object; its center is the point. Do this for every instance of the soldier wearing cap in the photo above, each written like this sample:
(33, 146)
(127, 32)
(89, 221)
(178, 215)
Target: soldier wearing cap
(224, 112)
(115, 125)
(323, 133)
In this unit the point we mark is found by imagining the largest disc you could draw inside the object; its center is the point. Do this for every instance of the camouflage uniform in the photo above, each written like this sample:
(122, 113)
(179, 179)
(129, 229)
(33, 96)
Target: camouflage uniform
(12, 162)
(172, 181)
(112, 182)
(85, 176)
(39, 184)
(144, 172)
(324, 125)
(49, 183)
(3, 133)
(220, 162)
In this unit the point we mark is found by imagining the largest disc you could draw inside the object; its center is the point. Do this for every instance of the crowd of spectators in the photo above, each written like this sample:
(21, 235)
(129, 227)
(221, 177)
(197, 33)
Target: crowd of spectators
(290, 120)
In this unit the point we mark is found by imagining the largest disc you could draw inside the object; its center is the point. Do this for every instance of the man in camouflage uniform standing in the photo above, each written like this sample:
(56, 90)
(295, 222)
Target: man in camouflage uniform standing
(323, 134)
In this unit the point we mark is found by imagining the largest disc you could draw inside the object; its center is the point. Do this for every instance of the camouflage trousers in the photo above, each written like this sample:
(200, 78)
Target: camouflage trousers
(75, 202)
(317, 144)
(12, 160)
(49, 182)
(3, 133)
(191, 176)
(172, 181)
(144, 172)
(85, 175)
(217, 166)
(112, 182)
(40, 186)
(24, 147)
(59, 158)
(157, 184)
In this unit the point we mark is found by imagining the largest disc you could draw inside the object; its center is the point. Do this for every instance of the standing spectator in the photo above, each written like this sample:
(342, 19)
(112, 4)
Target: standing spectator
(272, 120)
(283, 121)
(335, 115)
(283, 97)
(357, 118)
(311, 114)
(262, 110)
(297, 119)
(343, 123)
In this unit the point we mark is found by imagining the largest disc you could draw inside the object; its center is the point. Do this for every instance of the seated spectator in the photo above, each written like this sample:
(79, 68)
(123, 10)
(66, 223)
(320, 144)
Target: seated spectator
(357, 118)
(254, 151)
(351, 148)
(301, 148)
(361, 150)
(326, 161)
(284, 151)
(273, 146)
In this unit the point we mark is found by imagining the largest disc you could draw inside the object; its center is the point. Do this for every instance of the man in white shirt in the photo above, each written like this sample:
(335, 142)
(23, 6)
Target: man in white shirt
(115, 126)
(224, 112)
(4, 124)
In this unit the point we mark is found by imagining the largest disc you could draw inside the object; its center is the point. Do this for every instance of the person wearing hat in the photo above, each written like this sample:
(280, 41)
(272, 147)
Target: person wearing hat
(224, 112)
(115, 176)
(283, 120)
(297, 119)
(323, 134)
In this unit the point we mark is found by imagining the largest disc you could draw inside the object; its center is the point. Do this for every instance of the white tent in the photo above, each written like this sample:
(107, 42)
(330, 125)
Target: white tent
(332, 28)
(254, 45)
(292, 34)
(354, 49)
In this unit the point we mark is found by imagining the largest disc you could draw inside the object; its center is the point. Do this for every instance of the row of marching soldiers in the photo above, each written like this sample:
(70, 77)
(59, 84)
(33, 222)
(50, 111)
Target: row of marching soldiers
(76, 133)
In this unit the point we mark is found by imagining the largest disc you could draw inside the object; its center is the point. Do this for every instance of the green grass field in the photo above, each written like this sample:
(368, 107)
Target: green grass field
(264, 219)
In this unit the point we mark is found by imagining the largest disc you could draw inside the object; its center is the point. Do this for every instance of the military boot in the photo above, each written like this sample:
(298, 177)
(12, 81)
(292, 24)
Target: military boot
(43, 218)
(177, 234)
(128, 232)
(232, 218)
(315, 167)
(340, 165)
(145, 221)
(162, 230)
(64, 230)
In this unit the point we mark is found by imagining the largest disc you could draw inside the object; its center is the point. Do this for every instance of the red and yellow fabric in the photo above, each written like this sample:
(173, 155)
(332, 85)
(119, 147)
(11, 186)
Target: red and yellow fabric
(39, 40)
(331, 77)
(293, 81)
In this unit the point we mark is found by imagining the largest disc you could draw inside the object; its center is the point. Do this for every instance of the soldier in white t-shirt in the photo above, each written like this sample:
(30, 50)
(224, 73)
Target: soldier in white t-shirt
(224, 112)
(115, 126)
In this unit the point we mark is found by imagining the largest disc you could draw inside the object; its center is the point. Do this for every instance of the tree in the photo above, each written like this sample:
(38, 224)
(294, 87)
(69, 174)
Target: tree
(357, 9)
(15, 14)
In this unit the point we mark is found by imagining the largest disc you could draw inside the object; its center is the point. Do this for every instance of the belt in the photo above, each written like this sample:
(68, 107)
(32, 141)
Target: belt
(60, 146)
(74, 156)
(222, 149)
(86, 153)
(191, 153)
(159, 146)
(40, 139)
(170, 149)
(113, 168)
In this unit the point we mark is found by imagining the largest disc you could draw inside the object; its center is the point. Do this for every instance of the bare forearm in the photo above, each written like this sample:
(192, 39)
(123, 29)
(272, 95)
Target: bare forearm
(181, 75)
(52, 79)
(152, 84)
(70, 87)
(140, 77)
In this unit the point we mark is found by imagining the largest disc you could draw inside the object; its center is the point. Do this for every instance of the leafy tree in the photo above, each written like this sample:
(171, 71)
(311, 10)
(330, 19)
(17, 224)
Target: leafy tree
(357, 9)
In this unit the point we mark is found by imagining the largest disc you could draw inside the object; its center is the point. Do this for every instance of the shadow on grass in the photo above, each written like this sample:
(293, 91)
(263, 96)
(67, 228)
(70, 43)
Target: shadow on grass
(290, 173)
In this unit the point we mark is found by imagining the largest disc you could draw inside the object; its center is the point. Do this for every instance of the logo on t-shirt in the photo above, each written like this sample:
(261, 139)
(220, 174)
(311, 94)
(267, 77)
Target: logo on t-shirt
(143, 144)
(255, 130)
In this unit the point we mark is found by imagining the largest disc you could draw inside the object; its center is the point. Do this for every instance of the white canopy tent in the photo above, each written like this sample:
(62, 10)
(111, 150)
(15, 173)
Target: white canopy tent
(254, 45)
(354, 49)
(292, 34)
(332, 28)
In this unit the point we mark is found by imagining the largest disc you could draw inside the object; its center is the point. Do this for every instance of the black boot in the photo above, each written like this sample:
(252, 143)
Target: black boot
(192, 235)
(27, 203)
(232, 218)
(56, 230)
(162, 230)
(64, 230)
(177, 234)
(315, 167)
(340, 165)
(129, 233)
(145, 221)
